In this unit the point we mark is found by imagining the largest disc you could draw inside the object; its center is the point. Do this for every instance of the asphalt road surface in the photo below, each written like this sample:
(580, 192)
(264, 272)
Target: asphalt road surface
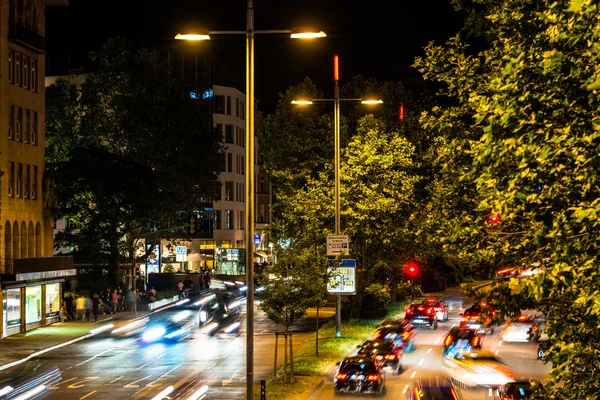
(426, 361)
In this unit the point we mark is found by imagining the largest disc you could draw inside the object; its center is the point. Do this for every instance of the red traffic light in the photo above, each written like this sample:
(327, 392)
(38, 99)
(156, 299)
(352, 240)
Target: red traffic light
(494, 218)
(412, 269)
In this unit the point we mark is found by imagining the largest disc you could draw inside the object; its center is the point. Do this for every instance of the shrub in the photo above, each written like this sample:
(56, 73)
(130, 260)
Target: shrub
(377, 297)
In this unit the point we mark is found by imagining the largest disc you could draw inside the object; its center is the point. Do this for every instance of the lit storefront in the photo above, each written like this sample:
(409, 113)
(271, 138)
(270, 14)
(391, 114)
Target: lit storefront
(231, 261)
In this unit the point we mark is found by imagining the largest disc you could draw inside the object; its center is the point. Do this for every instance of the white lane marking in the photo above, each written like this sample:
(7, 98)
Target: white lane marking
(159, 356)
(497, 351)
(106, 351)
(131, 385)
(413, 375)
(437, 341)
(87, 395)
(59, 383)
(422, 361)
(405, 389)
(490, 392)
(140, 367)
(500, 343)
(114, 380)
(429, 351)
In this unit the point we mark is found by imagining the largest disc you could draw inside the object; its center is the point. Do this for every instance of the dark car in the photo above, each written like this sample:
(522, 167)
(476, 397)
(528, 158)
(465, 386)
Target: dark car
(515, 390)
(473, 317)
(402, 332)
(28, 381)
(422, 315)
(359, 375)
(217, 310)
(174, 327)
(542, 349)
(440, 307)
(459, 340)
(438, 390)
(385, 351)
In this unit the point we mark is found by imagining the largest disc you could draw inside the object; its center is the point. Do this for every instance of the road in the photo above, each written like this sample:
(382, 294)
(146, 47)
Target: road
(104, 367)
(426, 361)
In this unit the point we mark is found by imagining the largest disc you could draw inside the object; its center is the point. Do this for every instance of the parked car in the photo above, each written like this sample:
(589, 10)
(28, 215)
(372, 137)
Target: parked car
(359, 375)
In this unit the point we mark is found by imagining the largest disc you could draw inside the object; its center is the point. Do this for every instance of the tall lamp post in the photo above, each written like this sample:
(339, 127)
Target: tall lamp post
(336, 130)
(249, 179)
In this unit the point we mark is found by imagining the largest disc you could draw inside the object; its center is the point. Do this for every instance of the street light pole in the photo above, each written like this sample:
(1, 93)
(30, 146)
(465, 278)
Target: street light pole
(249, 203)
(336, 128)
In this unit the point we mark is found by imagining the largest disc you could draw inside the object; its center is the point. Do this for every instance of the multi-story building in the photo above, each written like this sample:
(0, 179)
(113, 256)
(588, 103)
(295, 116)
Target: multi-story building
(219, 232)
(30, 277)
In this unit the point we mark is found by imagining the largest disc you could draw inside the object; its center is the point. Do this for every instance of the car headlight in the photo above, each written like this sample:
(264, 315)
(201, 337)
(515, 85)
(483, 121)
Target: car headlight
(203, 316)
(153, 334)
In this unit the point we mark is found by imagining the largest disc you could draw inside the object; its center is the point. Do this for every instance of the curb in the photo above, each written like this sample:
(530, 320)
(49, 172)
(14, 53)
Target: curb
(80, 338)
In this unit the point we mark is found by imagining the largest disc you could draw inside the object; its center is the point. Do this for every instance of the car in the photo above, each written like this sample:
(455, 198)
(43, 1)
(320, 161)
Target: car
(402, 332)
(433, 391)
(473, 317)
(217, 308)
(169, 327)
(459, 340)
(359, 375)
(476, 368)
(515, 390)
(440, 307)
(523, 328)
(542, 349)
(31, 380)
(385, 351)
(422, 315)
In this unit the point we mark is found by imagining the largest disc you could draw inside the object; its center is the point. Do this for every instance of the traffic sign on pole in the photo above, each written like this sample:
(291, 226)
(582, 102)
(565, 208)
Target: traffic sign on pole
(338, 245)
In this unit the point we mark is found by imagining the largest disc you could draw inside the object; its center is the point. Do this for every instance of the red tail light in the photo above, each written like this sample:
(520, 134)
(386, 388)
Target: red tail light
(405, 336)
(408, 311)
(438, 309)
(476, 341)
(464, 319)
(390, 357)
(372, 377)
(429, 311)
(448, 340)
(341, 377)
(378, 335)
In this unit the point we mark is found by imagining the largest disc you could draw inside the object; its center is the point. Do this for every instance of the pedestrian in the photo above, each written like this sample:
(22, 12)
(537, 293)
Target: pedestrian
(96, 306)
(180, 288)
(131, 301)
(63, 313)
(206, 279)
(114, 298)
(69, 306)
(88, 305)
(80, 308)
(120, 300)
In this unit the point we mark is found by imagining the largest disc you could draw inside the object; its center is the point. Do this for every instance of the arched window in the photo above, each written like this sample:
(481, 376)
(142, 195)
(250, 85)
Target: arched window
(7, 249)
(23, 240)
(38, 240)
(16, 253)
(30, 240)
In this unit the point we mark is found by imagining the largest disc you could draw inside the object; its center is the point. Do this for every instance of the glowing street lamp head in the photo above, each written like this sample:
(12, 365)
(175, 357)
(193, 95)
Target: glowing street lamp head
(371, 101)
(302, 102)
(199, 34)
(307, 33)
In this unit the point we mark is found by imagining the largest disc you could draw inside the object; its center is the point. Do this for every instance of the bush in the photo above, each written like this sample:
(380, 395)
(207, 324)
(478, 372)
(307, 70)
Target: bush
(168, 268)
(377, 297)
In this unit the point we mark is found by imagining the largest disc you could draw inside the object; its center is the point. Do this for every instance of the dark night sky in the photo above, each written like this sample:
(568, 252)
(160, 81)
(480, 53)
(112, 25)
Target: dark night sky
(375, 38)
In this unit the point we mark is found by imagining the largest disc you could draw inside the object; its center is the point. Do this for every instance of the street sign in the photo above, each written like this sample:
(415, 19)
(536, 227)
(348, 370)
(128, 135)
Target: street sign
(338, 245)
(342, 278)
(181, 253)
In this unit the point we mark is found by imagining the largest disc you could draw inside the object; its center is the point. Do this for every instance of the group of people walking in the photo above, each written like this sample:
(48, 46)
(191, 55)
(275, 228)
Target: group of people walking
(84, 308)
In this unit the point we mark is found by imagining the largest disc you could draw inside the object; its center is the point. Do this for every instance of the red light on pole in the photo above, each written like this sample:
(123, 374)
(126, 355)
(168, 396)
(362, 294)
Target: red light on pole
(412, 269)
(494, 219)
(401, 112)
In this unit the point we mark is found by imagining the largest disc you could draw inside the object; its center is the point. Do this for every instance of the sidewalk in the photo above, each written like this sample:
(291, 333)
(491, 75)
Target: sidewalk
(22, 345)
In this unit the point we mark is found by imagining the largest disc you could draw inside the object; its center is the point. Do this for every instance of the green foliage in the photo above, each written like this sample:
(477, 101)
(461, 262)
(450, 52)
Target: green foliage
(522, 140)
(168, 268)
(127, 151)
(377, 297)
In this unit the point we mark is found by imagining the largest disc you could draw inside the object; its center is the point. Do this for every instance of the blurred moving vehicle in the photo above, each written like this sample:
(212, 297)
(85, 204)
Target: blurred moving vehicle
(440, 307)
(460, 340)
(523, 328)
(385, 351)
(28, 381)
(402, 332)
(422, 315)
(217, 307)
(472, 318)
(515, 391)
(359, 375)
(433, 391)
(130, 328)
(170, 327)
(477, 368)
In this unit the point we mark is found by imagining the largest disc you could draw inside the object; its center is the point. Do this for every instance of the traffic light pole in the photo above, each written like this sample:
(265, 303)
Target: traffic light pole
(336, 124)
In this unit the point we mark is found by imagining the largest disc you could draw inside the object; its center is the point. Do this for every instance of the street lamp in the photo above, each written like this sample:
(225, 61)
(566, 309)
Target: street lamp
(336, 125)
(204, 34)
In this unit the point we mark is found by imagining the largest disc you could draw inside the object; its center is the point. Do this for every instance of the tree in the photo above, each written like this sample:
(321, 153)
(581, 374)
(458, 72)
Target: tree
(127, 151)
(525, 100)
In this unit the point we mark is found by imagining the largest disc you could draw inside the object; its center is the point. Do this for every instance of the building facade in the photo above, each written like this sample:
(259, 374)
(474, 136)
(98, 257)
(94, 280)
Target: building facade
(30, 277)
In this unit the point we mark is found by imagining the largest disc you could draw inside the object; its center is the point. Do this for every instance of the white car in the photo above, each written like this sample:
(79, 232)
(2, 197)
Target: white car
(477, 368)
(524, 328)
